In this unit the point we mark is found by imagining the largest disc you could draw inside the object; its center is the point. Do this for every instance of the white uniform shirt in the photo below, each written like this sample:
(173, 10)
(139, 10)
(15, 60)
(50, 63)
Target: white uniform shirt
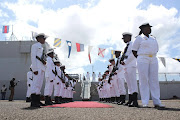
(3, 89)
(87, 76)
(131, 60)
(111, 68)
(37, 50)
(29, 78)
(49, 67)
(58, 73)
(99, 75)
(145, 46)
(93, 77)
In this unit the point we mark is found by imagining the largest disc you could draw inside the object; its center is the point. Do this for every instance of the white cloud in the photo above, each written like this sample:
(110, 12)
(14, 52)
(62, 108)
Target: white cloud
(93, 25)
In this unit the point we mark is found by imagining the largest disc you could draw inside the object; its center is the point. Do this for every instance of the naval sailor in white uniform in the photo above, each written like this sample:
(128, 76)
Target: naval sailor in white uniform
(57, 82)
(145, 49)
(38, 68)
(120, 80)
(93, 77)
(129, 62)
(50, 77)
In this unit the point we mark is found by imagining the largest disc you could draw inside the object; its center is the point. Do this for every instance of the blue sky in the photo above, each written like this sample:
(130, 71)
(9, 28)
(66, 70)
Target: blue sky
(93, 22)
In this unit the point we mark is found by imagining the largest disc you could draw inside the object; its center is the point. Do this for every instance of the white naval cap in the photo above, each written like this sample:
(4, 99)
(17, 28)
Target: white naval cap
(127, 33)
(56, 61)
(41, 35)
(50, 51)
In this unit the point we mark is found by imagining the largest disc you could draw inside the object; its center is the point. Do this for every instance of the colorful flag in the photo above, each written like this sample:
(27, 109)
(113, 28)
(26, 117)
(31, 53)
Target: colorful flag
(69, 46)
(113, 54)
(33, 35)
(177, 59)
(163, 61)
(89, 50)
(101, 52)
(5, 29)
(80, 47)
(57, 42)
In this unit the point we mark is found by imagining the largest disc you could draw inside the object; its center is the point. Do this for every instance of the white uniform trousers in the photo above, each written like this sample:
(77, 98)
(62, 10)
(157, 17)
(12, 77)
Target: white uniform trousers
(121, 84)
(130, 75)
(112, 88)
(98, 92)
(107, 93)
(148, 79)
(57, 87)
(37, 82)
(116, 85)
(28, 94)
(48, 90)
(62, 89)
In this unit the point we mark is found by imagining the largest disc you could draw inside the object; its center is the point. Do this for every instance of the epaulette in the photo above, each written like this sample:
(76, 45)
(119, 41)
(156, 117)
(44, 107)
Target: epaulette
(153, 36)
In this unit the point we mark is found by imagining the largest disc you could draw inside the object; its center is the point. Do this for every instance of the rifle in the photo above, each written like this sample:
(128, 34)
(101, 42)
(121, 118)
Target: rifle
(40, 59)
(55, 72)
(112, 73)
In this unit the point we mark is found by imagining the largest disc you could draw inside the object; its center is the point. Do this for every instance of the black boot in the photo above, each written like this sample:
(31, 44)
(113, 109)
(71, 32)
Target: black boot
(129, 101)
(120, 99)
(134, 102)
(60, 99)
(50, 101)
(33, 100)
(56, 100)
(123, 99)
(47, 100)
(39, 100)
(28, 99)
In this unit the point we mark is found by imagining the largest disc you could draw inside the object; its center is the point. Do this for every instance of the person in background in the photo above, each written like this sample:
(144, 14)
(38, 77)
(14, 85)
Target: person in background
(93, 77)
(3, 92)
(11, 87)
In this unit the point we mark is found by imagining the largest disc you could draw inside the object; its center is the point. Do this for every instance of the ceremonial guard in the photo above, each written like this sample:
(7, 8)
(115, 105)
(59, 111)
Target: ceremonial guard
(87, 77)
(29, 85)
(50, 77)
(145, 49)
(99, 76)
(120, 79)
(106, 87)
(57, 82)
(129, 62)
(62, 90)
(38, 69)
(93, 77)
(113, 81)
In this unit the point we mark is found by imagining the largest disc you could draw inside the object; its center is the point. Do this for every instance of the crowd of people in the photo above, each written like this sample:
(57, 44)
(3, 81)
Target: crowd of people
(140, 54)
(47, 64)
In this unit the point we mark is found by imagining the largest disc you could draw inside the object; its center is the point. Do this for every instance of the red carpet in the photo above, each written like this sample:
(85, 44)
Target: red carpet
(81, 104)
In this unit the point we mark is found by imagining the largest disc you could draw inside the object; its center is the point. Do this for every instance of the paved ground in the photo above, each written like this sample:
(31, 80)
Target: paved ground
(19, 110)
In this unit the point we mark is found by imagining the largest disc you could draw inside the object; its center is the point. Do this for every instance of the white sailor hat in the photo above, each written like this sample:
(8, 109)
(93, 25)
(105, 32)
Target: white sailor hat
(50, 51)
(112, 59)
(56, 61)
(126, 33)
(145, 25)
(41, 35)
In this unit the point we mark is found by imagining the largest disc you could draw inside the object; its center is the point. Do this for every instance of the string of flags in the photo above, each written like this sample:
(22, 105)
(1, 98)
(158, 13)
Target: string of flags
(80, 47)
